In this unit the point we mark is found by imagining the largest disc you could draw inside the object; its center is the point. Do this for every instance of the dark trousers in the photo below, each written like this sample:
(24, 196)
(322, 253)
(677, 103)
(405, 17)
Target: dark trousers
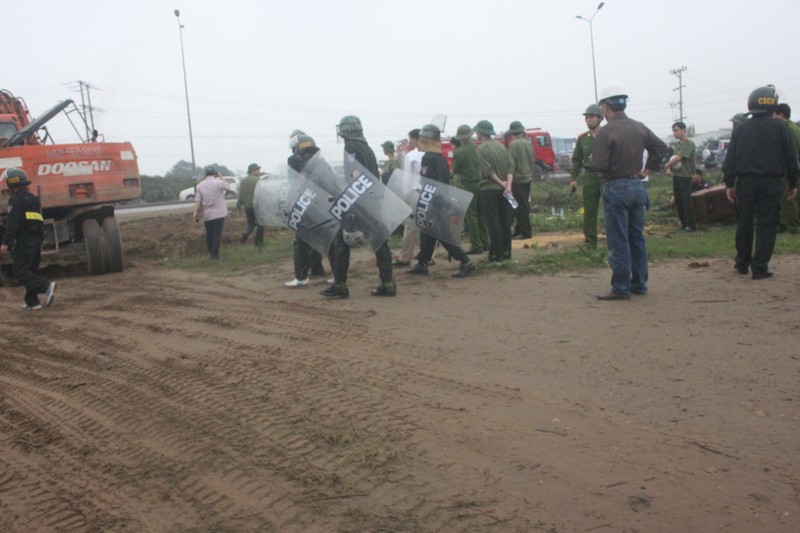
(475, 219)
(214, 236)
(427, 244)
(498, 223)
(25, 258)
(339, 257)
(682, 190)
(522, 215)
(306, 259)
(252, 224)
(760, 209)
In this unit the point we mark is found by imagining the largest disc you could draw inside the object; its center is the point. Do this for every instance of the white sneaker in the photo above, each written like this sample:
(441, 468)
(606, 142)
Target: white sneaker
(331, 281)
(296, 282)
(49, 295)
(34, 307)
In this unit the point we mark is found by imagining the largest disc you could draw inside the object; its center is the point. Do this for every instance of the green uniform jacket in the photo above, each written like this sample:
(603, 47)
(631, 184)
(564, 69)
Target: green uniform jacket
(247, 191)
(582, 156)
(794, 129)
(493, 158)
(521, 152)
(466, 170)
(688, 151)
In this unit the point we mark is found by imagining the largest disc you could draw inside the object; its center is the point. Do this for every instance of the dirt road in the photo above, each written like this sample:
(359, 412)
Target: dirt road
(159, 401)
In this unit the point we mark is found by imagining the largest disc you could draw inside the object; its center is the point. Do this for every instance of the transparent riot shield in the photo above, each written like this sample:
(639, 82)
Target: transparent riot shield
(273, 197)
(368, 211)
(295, 202)
(438, 209)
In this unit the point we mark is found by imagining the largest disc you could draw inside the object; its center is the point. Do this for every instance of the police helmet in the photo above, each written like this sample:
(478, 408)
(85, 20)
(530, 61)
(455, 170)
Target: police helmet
(763, 100)
(593, 109)
(293, 138)
(349, 126)
(15, 177)
(211, 170)
(305, 142)
(430, 131)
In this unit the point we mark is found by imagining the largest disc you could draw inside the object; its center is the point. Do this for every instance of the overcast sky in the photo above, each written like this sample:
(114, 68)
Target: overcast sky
(259, 69)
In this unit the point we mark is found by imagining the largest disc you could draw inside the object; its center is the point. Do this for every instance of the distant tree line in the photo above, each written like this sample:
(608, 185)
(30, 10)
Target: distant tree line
(166, 188)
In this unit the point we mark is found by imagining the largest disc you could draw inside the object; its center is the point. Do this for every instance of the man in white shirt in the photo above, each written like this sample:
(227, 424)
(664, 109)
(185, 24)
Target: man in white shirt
(210, 195)
(411, 166)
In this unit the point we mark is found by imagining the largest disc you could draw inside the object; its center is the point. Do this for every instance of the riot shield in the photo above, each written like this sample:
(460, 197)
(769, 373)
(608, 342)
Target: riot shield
(299, 204)
(366, 207)
(273, 196)
(438, 208)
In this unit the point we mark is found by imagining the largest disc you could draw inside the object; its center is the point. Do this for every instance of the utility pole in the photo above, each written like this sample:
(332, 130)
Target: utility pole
(87, 110)
(679, 72)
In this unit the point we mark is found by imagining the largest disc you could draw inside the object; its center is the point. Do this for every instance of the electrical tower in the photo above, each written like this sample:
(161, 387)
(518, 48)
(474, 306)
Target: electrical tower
(679, 72)
(87, 110)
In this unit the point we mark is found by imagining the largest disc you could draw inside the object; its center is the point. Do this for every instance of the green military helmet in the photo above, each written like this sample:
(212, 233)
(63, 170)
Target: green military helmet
(738, 118)
(485, 127)
(516, 128)
(388, 146)
(211, 170)
(464, 133)
(430, 131)
(763, 100)
(350, 126)
(253, 166)
(593, 109)
(15, 177)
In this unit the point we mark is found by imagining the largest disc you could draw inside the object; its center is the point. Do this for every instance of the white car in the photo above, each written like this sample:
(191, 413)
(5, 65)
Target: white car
(187, 195)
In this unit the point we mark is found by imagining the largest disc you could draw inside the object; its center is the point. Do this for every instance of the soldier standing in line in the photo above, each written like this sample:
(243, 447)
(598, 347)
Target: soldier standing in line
(790, 210)
(497, 177)
(589, 180)
(466, 175)
(521, 151)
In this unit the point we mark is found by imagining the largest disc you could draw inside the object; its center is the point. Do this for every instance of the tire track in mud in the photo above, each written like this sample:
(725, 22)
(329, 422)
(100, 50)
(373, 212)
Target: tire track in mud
(248, 412)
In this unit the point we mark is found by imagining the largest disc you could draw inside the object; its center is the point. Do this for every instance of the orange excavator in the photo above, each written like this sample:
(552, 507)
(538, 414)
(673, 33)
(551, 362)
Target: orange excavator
(78, 183)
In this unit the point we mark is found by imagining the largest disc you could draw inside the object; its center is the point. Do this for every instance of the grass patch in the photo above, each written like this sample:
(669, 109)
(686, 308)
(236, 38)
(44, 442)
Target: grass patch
(235, 257)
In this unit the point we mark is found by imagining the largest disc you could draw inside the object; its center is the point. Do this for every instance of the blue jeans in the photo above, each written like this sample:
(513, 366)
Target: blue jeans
(624, 202)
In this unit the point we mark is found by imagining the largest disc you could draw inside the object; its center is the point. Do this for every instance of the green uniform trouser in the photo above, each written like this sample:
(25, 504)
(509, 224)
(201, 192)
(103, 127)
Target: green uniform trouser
(682, 189)
(790, 210)
(475, 219)
(591, 206)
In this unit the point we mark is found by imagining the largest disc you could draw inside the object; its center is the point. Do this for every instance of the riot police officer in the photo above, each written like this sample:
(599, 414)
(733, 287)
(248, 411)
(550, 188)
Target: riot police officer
(760, 153)
(23, 237)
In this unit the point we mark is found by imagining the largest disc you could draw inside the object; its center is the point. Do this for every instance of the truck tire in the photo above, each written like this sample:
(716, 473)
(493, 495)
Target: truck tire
(94, 241)
(113, 248)
(539, 172)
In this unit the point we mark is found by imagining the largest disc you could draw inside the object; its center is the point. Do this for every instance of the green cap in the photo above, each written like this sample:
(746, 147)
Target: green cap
(738, 118)
(464, 133)
(516, 127)
(485, 127)
(253, 166)
(388, 146)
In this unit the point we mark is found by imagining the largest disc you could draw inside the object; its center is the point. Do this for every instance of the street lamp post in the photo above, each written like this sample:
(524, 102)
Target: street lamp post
(591, 38)
(186, 90)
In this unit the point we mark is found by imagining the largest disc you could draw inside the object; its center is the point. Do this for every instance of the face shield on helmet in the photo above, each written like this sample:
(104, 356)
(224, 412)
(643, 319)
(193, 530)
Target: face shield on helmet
(349, 126)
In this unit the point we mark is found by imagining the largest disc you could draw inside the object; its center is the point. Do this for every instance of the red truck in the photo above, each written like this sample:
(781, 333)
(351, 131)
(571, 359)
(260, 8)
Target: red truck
(540, 139)
(78, 184)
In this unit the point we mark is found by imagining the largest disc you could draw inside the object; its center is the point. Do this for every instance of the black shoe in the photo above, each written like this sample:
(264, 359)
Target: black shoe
(763, 275)
(420, 269)
(611, 295)
(466, 270)
(399, 263)
(336, 292)
(742, 269)
(383, 290)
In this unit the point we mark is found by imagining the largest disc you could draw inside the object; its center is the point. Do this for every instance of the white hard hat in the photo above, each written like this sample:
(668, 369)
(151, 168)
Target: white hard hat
(614, 88)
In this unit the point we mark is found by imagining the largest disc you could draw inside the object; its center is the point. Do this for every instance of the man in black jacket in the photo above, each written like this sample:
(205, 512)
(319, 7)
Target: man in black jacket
(760, 153)
(23, 237)
(351, 130)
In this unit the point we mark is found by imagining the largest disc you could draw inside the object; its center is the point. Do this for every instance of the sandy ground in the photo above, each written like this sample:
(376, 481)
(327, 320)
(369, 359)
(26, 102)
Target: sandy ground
(160, 401)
